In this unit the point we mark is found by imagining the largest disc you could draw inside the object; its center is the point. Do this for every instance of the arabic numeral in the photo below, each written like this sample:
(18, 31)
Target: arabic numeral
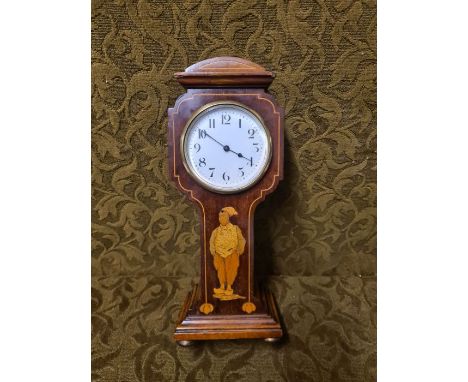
(226, 177)
(242, 172)
(225, 119)
(212, 124)
(251, 133)
(202, 162)
(256, 147)
(212, 171)
(201, 134)
(197, 147)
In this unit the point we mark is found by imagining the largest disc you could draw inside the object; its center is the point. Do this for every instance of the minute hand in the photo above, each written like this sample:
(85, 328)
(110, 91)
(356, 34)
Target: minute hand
(218, 142)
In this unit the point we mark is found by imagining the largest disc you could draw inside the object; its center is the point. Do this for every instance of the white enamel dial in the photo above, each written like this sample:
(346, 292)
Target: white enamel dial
(226, 148)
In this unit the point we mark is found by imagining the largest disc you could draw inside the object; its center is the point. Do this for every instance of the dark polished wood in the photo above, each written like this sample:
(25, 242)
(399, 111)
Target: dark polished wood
(225, 72)
(239, 81)
(194, 326)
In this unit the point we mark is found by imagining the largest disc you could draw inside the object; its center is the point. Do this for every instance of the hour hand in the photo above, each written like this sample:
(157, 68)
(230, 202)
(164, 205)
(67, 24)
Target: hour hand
(241, 156)
(226, 147)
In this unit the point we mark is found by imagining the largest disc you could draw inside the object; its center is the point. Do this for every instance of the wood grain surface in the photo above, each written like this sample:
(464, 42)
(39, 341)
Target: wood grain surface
(214, 71)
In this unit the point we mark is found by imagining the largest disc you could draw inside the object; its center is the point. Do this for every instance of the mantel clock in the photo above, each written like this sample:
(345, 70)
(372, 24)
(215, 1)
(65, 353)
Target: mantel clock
(225, 143)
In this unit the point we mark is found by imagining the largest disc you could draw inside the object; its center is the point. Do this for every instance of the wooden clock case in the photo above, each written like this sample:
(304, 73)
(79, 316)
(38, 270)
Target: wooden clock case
(202, 316)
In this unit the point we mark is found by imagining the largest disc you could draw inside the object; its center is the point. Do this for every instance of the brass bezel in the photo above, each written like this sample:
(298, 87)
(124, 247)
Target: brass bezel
(197, 114)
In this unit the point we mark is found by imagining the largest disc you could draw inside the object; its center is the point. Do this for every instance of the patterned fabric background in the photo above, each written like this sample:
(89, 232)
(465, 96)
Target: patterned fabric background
(315, 236)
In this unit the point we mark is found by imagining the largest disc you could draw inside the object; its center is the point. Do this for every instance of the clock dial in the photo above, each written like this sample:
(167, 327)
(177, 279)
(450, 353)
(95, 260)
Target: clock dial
(226, 148)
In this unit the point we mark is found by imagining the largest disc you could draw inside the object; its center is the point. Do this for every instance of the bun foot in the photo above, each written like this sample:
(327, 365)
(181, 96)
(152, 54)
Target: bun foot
(185, 343)
(272, 339)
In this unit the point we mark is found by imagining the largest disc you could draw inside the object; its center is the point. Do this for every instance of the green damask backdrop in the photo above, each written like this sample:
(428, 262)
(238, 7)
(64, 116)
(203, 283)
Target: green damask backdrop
(315, 236)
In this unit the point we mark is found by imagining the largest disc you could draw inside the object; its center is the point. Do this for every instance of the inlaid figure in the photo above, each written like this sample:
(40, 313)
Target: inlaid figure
(226, 245)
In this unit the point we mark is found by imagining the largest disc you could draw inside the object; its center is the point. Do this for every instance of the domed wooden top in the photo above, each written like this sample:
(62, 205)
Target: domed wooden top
(225, 72)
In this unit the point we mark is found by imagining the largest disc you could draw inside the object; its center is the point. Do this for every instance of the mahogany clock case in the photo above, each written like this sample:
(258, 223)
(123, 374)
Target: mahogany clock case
(242, 82)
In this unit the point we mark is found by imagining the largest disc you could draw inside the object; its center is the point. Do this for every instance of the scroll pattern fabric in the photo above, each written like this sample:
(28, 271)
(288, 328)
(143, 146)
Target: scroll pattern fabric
(316, 233)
